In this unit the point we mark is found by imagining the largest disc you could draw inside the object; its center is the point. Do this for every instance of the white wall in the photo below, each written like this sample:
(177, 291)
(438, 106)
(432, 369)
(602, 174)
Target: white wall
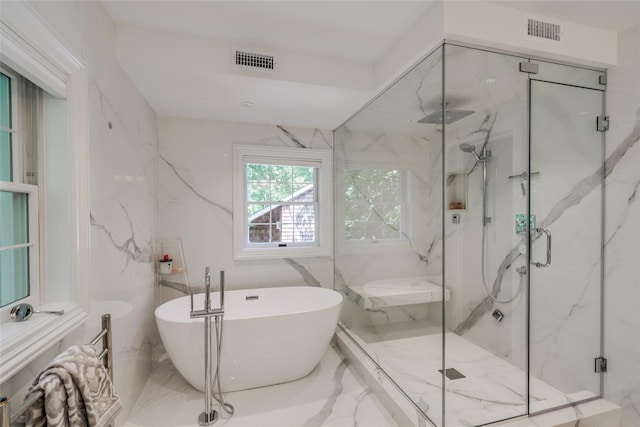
(503, 27)
(196, 202)
(123, 202)
(622, 232)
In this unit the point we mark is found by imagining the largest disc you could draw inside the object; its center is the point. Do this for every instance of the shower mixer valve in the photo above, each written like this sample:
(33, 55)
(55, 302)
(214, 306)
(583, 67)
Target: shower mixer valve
(523, 177)
(521, 223)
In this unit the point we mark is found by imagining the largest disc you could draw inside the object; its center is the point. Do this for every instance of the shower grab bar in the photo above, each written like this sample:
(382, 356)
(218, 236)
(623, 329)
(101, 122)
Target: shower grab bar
(548, 236)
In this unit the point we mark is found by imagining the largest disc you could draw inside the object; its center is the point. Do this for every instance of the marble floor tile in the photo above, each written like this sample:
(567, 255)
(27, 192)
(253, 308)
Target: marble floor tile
(490, 389)
(332, 395)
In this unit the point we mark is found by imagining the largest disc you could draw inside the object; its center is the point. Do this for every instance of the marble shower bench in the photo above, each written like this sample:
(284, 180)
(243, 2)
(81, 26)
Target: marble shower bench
(395, 292)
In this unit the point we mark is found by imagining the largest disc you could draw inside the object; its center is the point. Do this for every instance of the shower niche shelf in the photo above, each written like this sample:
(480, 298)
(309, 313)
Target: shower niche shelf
(176, 282)
(395, 292)
(176, 253)
(456, 191)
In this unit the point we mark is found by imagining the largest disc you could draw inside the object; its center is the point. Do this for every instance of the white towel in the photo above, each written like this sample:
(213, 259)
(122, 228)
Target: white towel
(77, 392)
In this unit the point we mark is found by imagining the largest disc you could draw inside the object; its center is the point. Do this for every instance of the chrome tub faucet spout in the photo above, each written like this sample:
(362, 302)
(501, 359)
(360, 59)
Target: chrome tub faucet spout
(222, 290)
(207, 288)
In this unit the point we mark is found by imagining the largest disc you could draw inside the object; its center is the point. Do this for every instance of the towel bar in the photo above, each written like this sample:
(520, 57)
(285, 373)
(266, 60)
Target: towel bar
(106, 357)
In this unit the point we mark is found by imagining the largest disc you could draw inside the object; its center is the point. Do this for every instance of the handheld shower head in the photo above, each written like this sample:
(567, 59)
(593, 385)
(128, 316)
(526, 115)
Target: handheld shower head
(467, 148)
(470, 148)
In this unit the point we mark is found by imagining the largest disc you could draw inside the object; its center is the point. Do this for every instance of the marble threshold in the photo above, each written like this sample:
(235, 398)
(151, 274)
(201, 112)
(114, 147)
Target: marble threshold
(491, 390)
(332, 395)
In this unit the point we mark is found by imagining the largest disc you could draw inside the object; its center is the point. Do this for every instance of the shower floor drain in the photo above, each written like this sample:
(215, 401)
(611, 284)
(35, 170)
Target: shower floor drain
(452, 374)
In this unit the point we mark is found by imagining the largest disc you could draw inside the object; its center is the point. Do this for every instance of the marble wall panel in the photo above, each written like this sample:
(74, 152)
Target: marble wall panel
(196, 201)
(622, 231)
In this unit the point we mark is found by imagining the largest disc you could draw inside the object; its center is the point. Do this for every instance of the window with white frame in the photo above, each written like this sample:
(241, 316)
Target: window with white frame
(61, 264)
(20, 105)
(282, 202)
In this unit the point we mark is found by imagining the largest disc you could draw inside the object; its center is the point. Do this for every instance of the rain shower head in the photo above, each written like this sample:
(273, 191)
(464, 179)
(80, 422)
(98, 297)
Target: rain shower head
(450, 117)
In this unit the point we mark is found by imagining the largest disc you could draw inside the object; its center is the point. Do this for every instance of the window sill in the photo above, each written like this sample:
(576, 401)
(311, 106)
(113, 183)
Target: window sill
(22, 342)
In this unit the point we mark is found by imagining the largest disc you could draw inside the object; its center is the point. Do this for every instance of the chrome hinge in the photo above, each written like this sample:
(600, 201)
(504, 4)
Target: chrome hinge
(600, 365)
(602, 123)
(528, 67)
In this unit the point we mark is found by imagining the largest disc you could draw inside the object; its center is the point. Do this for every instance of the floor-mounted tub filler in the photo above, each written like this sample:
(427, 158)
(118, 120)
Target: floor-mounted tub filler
(271, 335)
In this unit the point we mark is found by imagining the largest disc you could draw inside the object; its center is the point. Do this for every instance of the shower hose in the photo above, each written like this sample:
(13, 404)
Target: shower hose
(217, 395)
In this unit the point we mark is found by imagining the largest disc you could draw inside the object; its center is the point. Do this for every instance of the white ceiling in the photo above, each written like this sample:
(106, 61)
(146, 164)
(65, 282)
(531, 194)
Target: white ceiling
(356, 30)
(178, 53)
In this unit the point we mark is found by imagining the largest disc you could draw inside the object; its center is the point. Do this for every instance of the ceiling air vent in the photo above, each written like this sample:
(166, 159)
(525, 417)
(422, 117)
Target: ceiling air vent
(256, 61)
(543, 30)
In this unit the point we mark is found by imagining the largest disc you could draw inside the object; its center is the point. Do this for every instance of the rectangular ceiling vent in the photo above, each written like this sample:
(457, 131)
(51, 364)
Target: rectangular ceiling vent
(254, 61)
(543, 30)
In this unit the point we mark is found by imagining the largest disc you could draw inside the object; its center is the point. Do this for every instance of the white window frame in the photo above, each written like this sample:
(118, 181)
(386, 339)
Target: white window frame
(282, 155)
(29, 47)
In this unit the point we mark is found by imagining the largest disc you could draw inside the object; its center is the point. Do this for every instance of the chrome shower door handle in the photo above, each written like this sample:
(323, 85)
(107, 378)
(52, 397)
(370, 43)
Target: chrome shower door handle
(548, 235)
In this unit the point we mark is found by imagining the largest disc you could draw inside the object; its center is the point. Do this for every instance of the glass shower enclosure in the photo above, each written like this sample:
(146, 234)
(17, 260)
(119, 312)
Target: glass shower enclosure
(468, 236)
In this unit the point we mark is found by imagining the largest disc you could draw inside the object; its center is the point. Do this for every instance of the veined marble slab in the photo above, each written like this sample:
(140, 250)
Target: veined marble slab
(330, 396)
(596, 413)
(492, 390)
(394, 292)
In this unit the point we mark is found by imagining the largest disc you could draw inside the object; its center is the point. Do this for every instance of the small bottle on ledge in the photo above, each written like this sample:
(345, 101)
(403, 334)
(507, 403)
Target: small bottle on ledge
(166, 265)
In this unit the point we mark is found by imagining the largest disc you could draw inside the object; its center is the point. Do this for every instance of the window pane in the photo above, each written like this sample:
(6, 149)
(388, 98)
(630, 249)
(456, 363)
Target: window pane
(258, 192)
(276, 196)
(5, 101)
(5, 156)
(13, 218)
(263, 227)
(256, 210)
(256, 172)
(304, 193)
(281, 192)
(303, 218)
(302, 175)
(282, 174)
(14, 275)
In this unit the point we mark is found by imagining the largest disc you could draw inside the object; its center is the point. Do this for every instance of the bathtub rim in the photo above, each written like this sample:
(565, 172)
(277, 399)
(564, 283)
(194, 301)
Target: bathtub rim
(164, 313)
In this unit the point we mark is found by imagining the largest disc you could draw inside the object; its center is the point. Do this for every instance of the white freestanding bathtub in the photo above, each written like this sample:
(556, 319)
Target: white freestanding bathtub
(277, 337)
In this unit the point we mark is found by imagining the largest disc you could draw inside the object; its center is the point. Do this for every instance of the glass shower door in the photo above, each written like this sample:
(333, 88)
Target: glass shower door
(565, 194)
